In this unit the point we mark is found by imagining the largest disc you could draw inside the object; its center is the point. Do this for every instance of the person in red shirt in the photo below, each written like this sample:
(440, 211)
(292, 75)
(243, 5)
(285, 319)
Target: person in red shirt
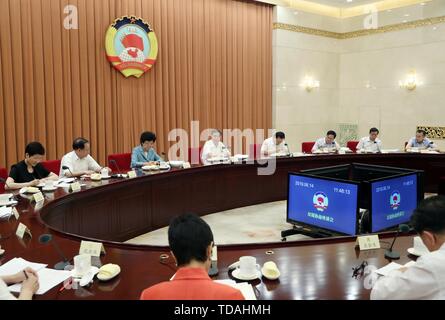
(191, 241)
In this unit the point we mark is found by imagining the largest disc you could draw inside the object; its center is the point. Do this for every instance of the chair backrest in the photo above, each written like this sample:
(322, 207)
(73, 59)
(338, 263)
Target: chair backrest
(194, 155)
(352, 145)
(255, 151)
(306, 147)
(4, 175)
(52, 166)
(123, 161)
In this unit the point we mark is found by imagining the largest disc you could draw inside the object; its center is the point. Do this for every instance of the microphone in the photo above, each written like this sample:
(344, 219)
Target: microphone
(114, 162)
(389, 253)
(67, 168)
(45, 239)
(288, 149)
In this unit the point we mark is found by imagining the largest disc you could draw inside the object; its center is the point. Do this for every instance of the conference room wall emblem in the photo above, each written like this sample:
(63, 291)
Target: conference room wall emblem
(320, 201)
(131, 46)
(395, 200)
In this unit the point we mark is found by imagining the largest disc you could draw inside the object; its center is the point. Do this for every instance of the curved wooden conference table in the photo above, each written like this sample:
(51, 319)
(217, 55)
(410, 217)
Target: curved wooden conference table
(116, 210)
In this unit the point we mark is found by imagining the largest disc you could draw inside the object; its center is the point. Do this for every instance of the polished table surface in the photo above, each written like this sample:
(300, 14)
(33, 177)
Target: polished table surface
(115, 210)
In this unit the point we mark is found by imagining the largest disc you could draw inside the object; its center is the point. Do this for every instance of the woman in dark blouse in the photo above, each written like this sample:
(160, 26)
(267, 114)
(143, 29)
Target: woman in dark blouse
(29, 172)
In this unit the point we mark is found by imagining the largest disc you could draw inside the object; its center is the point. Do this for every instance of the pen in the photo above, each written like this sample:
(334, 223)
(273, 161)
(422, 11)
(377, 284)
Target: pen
(24, 272)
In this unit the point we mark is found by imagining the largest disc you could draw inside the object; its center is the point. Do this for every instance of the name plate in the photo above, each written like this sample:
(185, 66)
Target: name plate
(15, 213)
(22, 230)
(75, 187)
(186, 165)
(368, 242)
(132, 174)
(94, 249)
(38, 197)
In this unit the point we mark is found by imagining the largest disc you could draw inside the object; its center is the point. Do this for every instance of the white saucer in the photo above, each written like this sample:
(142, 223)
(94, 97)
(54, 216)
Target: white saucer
(413, 252)
(236, 274)
(49, 189)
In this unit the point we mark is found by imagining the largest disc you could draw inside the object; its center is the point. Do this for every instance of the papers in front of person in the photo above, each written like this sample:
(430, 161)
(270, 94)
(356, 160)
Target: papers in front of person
(393, 266)
(245, 288)
(19, 264)
(390, 150)
(5, 212)
(48, 278)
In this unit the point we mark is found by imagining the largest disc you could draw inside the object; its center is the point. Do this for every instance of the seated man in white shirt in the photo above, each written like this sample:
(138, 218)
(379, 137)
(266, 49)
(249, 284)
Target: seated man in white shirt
(326, 144)
(275, 145)
(426, 278)
(370, 143)
(214, 148)
(79, 162)
(420, 141)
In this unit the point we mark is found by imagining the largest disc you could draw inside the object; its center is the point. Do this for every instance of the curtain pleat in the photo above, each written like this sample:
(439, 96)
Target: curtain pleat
(214, 66)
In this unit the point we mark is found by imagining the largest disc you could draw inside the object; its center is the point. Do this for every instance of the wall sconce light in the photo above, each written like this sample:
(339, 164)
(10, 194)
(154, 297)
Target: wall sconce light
(411, 82)
(309, 83)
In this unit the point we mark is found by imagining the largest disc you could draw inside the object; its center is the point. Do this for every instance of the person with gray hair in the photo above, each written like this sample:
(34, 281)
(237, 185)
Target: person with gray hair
(214, 148)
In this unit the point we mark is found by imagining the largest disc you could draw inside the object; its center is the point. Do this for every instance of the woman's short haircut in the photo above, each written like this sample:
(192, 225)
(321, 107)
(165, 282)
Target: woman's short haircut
(430, 215)
(79, 143)
(189, 237)
(34, 148)
(148, 136)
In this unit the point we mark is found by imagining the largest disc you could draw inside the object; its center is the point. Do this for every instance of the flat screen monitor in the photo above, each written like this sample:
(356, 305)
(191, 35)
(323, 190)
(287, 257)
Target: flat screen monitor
(393, 201)
(322, 203)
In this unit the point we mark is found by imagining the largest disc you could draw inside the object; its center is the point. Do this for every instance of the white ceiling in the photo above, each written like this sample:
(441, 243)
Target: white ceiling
(343, 3)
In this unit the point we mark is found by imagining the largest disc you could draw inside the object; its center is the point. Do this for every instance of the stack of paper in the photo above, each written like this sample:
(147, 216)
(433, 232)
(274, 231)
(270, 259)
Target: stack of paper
(393, 266)
(245, 288)
(48, 278)
(5, 212)
(18, 264)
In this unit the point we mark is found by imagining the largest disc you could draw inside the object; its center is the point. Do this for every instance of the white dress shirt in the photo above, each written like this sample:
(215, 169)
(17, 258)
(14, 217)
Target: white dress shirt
(321, 144)
(72, 161)
(423, 280)
(367, 145)
(270, 147)
(4, 292)
(210, 150)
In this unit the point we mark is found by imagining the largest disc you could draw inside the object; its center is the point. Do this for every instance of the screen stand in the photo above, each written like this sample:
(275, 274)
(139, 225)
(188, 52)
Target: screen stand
(307, 232)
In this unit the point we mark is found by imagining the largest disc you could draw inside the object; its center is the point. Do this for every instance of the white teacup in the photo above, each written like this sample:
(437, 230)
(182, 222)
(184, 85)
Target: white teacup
(248, 266)
(419, 247)
(82, 264)
(104, 173)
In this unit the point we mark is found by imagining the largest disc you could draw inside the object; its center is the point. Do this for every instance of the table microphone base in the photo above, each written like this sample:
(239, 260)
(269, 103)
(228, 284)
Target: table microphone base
(61, 265)
(393, 255)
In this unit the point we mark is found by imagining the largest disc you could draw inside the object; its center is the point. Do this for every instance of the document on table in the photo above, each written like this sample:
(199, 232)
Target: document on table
(5, 212)
(393, 266)
(48, 279)
(245, 288)
(19, 264)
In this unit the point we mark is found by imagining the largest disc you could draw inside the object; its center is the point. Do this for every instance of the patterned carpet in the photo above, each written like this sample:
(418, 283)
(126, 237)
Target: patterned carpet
(255, 224)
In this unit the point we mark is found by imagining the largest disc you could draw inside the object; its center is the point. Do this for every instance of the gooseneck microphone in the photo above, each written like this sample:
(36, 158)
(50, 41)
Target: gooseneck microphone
(67, 168)
(114, 162)
(389, 253)
(47, 238)
(288, 149)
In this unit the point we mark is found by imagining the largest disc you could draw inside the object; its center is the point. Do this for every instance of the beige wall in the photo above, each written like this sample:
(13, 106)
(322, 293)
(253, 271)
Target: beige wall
(359, 77)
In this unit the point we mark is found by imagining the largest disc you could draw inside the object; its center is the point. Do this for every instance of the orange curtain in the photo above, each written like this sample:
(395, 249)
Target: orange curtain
(214, 66)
